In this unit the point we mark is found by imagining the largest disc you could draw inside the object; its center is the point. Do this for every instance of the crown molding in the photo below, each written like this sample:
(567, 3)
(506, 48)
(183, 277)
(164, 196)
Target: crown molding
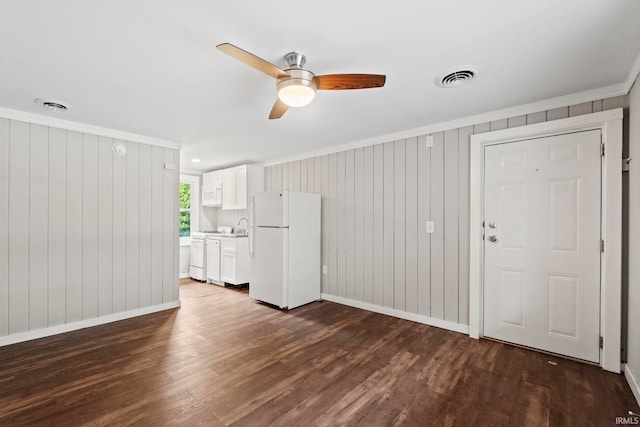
(41, 119)
(534, 107)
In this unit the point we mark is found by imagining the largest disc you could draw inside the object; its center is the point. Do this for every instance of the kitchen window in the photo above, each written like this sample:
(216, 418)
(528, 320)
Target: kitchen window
(189, 201)
(185, 209)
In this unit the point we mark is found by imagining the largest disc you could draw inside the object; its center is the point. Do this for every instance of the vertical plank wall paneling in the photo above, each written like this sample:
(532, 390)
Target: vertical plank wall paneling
(57, 227)
(267, 179)
(375, 203)
(334, 213)
(89, 226)
(424, 239)
(358, 224)
(4, 225)
(144, 272)
(412, 229)
(157, 159)
(170, 221)
(450, 225)
(399, 225)
(378, 224)
(325, 224)
(73, 237)
(119, 291)
(464, 157)
(303, 176)
(388, 202)
(19, 227)
(76, 227)
(436, 209)
(105, 227)
(38, 223)
(341, 222)
(367, 225)
(350, 224)
(132, 268)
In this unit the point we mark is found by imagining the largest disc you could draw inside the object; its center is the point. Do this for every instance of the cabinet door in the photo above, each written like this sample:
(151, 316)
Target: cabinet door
(207, 179)
(228, 267)
(217, 187)
(213, 260)
(241, 188)
(229, 188)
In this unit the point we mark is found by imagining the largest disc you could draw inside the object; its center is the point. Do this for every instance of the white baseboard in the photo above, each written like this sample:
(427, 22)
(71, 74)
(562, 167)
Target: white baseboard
(633, 382)
(68, 327)
(184, 275)
(439, 323)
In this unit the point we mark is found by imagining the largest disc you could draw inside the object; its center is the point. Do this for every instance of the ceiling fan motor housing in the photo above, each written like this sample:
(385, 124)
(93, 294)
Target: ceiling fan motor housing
(295, 59)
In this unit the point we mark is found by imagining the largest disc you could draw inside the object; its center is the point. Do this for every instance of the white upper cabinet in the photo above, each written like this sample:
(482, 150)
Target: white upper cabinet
(212, 188)
(238, 183)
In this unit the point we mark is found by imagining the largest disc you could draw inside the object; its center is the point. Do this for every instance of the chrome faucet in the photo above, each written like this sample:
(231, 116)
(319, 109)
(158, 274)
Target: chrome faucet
(239, 221)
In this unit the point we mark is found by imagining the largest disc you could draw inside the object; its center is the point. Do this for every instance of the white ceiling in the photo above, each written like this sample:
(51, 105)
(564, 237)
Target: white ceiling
(150, 67)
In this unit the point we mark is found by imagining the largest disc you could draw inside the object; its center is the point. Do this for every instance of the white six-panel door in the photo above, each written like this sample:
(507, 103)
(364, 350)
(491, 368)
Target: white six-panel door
(542, 243)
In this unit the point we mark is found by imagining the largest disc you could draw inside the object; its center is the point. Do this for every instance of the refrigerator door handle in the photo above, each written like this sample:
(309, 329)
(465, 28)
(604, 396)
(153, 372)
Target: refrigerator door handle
(251, 224)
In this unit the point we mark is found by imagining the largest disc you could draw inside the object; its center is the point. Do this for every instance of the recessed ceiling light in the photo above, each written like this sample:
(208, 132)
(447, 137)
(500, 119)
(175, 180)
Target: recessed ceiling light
(195, 160)
(457, 76)
(52, 104)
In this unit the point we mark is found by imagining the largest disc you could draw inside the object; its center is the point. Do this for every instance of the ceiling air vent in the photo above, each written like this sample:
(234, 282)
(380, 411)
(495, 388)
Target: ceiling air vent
(52, 104)
(457, 77)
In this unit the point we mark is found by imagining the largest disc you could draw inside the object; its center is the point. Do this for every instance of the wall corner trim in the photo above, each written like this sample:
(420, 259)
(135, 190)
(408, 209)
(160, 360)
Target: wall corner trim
(439, 323)
(633, 74)
(56, 122)
(68, 327)
(633, 382)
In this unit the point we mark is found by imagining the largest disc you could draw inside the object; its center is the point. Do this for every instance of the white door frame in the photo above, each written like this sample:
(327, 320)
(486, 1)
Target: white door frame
(610, 125)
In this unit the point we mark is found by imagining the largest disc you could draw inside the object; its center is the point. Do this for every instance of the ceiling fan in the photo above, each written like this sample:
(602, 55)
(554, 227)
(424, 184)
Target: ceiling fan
(297, 86)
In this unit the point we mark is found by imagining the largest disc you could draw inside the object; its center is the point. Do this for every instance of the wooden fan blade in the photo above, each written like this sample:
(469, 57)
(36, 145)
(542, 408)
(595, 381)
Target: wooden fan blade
(349, 81)
(278, 110)
(251, 60)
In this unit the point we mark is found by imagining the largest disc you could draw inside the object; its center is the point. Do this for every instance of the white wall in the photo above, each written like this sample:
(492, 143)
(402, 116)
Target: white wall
(184, 260)
(84, 234)
(375, 201)
(633, 331)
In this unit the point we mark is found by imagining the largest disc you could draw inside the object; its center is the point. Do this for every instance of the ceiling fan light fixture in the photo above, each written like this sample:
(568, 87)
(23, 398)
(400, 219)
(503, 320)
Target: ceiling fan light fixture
(296, 95)
(298, 88)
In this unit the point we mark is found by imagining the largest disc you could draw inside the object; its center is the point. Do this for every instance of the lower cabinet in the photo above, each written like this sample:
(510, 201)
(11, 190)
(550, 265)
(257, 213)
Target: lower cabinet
(234, 260)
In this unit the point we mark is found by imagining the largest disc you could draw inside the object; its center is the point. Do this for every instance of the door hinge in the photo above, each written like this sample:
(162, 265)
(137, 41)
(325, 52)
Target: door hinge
(602, 149)
(601, 342)
(625, 164)
(601, 245)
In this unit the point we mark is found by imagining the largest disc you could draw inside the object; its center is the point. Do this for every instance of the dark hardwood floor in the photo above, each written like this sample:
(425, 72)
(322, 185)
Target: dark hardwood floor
(224, 359)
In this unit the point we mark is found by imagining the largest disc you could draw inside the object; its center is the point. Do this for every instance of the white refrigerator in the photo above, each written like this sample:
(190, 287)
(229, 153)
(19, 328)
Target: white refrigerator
(284, 248)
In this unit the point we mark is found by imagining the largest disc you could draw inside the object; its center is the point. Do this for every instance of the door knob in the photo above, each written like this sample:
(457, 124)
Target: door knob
(493, 239)
(492, 225)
